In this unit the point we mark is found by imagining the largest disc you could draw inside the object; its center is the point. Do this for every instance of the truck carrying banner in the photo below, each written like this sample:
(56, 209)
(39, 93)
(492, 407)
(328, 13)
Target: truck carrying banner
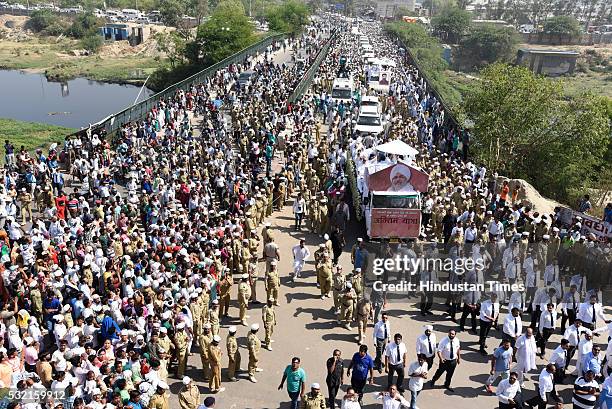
(389, 223)
(398, 178)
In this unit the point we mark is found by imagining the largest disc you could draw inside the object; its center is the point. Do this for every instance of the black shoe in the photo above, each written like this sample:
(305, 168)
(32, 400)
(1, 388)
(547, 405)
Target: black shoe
(432, 383)
(451, 390)
(483, 352)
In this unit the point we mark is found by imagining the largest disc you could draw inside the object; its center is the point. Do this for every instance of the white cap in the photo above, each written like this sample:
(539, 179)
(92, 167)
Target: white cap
(359, 240)
(326, 236)
(180, 325)
(216, 338)
(215, 302)
(315, 386)
(232, 329)
(349, 285)
(186, 380)
(206, 325)
(428, 327)
(163, 330)
(255, 327)
(162, 384)
(244, 276)
(268, 224)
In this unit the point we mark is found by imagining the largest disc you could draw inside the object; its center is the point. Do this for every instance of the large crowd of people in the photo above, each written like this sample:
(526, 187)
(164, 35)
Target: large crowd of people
(120, 256)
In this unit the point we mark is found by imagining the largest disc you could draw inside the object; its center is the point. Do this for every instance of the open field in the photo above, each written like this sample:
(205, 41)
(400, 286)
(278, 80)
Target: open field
(32, 135)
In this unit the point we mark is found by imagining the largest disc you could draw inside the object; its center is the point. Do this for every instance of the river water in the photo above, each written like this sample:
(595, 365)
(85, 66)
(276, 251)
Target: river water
(75, 103)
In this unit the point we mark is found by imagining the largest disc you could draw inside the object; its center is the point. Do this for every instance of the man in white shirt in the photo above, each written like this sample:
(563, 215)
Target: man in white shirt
(541, 299)
(449, 354)
(590, 312)
(395, 361)
(559, 359)
(417, 373)
(299, 206)
(525, 354)
(569, 305)
(546, 386)
(382, 334)
(513, 328)
(392, 399)
(546, 328)
(426, 345)
(508, 392)
(300, 255)
(573, 333)
(489, 310)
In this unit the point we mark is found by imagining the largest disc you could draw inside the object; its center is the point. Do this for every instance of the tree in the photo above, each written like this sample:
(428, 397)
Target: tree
(402, 11)
(451, 24)
(92, 43)
(434, 6)
(173, 45)
(562, 25)
(172, 12)
(84, 25)
(526, 127)
(226, 32)
(289, 17)
(199, 9)
(486, 44)
(41, 19)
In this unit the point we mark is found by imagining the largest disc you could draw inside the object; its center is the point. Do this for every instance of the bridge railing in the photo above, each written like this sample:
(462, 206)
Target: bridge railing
(139, 110)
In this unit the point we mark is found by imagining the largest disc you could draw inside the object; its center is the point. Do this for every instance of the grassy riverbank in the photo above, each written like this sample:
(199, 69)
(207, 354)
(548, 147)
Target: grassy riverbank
(58, 61)
(32, 135)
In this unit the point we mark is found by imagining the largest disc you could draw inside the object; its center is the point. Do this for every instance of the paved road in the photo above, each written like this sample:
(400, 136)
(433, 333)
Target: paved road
(307, 328)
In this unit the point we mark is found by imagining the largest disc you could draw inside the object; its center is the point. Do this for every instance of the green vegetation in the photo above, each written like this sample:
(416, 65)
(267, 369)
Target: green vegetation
(32, 135)
(92, 43)
(527, 127)
(226, 32)
(451, 24)
(562, 25)
(289, 17)
(427, 50)
(84, 25)
(486, 44)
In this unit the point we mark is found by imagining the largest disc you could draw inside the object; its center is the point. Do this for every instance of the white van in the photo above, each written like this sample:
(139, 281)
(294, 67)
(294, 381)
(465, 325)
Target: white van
(342, 90)
(370, 103)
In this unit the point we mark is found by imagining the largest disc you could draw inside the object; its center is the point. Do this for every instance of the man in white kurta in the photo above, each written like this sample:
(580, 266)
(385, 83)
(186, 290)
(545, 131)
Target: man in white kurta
(525, 354)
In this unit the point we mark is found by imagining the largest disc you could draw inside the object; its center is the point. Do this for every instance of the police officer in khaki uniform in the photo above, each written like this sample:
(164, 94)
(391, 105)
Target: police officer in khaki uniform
(313, 399)
(324, 273)
(214, 353)
(338, 282)
(271, 252)
(253, 278)
(244, 294)
(189, 396)
(254, 348)
(364, 313)
(268, 316)
(181, 341)
(213, 317)
(225, 287)
(348, 304)
(245, 257)
(272, 282)
(249, 223)
(233, 353)
(160, 399)
(204, 341)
